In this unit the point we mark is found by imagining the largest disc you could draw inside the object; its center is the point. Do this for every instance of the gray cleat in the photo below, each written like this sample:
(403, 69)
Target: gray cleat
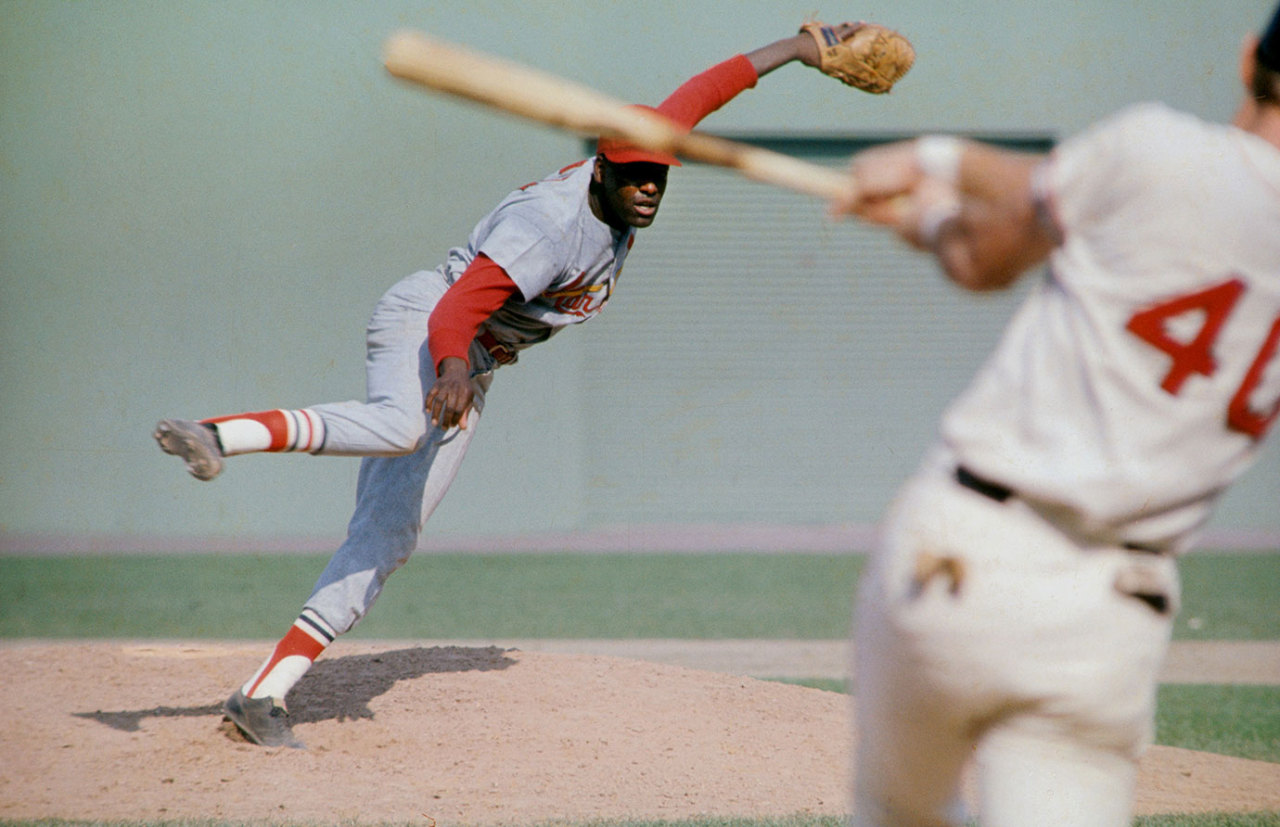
(262, 720)
(195, 443)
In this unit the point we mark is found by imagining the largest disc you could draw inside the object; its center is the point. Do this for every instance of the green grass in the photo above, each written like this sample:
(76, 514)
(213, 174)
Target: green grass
(438, 596)
(1230, 597)
(807, 596)
(1243, 721)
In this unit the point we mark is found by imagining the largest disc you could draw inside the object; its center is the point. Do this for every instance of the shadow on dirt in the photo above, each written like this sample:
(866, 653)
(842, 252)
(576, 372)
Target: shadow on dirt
(338, 688)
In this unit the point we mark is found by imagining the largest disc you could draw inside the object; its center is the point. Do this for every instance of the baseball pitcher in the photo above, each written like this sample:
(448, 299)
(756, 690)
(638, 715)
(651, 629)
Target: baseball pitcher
(547, 257)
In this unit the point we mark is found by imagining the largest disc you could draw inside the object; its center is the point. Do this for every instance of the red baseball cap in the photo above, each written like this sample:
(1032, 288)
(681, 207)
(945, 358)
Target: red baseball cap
(620, 151)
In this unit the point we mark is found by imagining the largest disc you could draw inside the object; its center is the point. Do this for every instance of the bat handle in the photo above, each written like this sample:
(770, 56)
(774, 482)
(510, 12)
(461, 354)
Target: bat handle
(768, 167)
(781, 170)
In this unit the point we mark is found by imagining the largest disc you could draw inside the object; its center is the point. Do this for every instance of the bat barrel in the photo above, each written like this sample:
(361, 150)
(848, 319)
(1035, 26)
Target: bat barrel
(555, 101)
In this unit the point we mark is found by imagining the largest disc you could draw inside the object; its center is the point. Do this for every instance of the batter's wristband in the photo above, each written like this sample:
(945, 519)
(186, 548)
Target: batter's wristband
(939, 157)
(932, 220)
(1042, 199)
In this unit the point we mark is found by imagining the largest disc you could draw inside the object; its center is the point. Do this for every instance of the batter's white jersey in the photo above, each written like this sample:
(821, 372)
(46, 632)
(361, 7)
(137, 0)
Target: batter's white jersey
(564, 260)
(1138, 380)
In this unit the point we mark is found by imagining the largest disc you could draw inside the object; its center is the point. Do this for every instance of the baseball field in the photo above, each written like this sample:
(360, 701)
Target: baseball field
(534, 689)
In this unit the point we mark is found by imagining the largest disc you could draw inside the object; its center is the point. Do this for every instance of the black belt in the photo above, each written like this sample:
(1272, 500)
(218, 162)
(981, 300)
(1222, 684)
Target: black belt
(986, 488)
(1000, 493)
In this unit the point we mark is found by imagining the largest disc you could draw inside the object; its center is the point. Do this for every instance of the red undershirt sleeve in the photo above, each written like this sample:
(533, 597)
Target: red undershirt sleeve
(484, 286)
(704, 93)
(481, 289)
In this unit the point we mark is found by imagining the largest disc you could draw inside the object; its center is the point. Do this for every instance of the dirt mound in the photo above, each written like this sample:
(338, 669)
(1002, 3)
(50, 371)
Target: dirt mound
(454, 735)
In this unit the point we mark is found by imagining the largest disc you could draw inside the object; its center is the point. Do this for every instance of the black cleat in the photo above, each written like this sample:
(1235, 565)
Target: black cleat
(195, 443)
(262, 720)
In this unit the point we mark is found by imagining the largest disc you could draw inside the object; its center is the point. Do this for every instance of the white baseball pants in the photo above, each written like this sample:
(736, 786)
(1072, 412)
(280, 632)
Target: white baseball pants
(1027, 651)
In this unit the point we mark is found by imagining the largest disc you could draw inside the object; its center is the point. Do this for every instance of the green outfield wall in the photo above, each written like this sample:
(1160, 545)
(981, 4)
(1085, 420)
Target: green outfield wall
(201, 202)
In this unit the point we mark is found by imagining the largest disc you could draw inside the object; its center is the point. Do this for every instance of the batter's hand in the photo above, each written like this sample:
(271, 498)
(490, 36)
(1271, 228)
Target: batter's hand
(450, 397)
(921, 215)
(884, 178)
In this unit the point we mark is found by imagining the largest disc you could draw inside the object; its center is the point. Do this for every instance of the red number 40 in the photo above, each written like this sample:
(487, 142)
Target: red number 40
(1196, 355)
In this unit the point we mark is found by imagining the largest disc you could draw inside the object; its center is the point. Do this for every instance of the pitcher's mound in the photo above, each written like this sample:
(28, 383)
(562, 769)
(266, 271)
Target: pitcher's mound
(454, 735)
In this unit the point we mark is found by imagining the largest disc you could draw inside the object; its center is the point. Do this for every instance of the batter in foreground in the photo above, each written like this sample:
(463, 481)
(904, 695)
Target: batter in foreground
(1022, 597)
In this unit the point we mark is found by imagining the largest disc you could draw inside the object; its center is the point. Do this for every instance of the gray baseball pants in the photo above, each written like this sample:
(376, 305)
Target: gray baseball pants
(408, 464)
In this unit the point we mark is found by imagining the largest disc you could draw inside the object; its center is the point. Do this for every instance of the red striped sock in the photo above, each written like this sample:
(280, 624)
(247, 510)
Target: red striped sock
(297, 650)
(276, 430)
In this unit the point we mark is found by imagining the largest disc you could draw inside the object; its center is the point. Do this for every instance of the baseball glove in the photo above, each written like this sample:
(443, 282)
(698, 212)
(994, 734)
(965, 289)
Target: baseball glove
(873, 58)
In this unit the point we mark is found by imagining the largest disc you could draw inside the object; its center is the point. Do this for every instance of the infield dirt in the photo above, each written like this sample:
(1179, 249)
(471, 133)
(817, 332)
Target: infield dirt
(452, 735)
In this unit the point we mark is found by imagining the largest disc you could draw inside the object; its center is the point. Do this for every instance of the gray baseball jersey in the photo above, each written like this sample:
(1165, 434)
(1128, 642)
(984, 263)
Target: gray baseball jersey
(564, 260)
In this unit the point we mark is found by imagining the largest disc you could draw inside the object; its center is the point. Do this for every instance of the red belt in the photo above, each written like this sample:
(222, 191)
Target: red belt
(501, 354)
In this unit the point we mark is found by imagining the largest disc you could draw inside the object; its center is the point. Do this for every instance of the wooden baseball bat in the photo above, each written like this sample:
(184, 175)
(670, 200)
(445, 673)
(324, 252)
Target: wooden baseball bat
(539, 96)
